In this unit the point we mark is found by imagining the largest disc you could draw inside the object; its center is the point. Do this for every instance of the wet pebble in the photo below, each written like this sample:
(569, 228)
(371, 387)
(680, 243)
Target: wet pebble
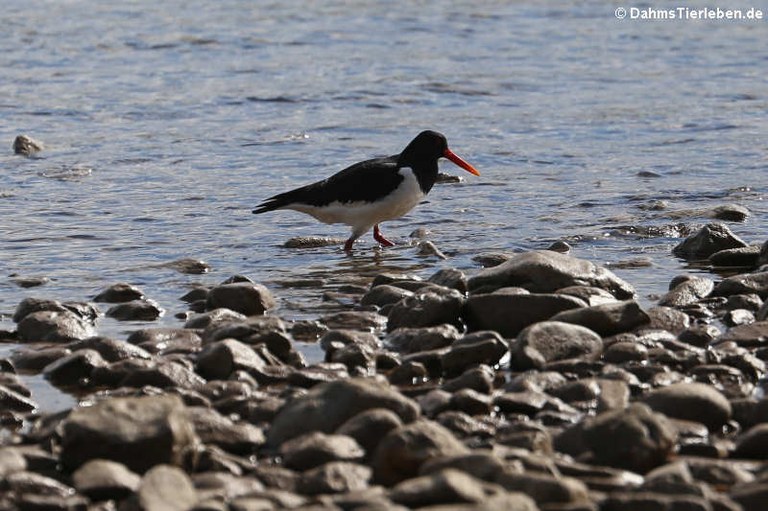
(118, 293)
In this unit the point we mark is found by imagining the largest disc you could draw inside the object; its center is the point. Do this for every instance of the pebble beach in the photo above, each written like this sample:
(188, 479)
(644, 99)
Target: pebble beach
(536, 383)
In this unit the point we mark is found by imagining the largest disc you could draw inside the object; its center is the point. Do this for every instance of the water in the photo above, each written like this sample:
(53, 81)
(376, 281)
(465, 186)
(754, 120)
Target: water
(166, 122)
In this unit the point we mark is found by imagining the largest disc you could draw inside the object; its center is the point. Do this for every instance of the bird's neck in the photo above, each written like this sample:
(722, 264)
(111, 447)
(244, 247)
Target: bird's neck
(426, 173)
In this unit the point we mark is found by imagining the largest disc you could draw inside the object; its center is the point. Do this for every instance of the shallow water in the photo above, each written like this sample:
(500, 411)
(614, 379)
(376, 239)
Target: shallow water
(166, 122)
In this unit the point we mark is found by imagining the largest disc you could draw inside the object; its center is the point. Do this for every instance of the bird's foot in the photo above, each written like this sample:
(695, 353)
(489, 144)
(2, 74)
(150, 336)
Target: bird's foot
(348, 245)
(380, 237)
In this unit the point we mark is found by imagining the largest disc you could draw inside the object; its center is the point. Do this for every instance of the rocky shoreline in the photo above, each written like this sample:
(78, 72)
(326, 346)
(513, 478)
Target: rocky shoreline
(537, 383)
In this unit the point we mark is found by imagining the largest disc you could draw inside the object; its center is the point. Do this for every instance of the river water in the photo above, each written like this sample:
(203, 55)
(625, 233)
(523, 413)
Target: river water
(164, 123)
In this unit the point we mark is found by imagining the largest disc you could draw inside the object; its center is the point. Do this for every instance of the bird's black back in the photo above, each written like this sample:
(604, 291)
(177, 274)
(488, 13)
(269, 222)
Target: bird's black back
(353, 184)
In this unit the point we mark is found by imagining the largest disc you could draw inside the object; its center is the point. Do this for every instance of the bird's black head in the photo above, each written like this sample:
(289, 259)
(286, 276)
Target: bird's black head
(427, 147)
(424, 151)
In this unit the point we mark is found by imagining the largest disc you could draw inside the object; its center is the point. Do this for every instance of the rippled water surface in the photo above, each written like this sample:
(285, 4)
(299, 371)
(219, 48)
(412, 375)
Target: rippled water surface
(164, 123)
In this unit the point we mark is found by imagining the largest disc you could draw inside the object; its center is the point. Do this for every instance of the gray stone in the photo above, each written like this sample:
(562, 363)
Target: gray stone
(650, 501)
(403, 451)
(478, 378)
(544, 271)
(482, 464)
(163, 374)
(225, 487)
(354, 320)
(329, 405)
(450, 278)
(743, 284)
(11, 461)
(669, 319)
(635, 439)
(608, 319)
(136, 310)
(214, 317)
(730, 212)
(545, 489)
(235, 437)
(751, 497)
(51, 326)
(743, 257)
(160, 339)
(334, 340)
(447, 486)
(384, 295)
(24, 483)
(26, 145)
(74, 369)
(105, 480)
(688, 290)
(164, 488)
(369, 427)
(334, 477)
(548, 341)
(484, 347)
(34, 359)
(220, 359)
(590, 295)
(625, 351)
(137, 432)
(119, 293)
(699, 335)
(508, 314)
(753, 444)
(314, 449)
(110, 350)
(711, 238)
(85, 311)
(244, 297)
(425, 310)
(412, 340)
(752, 335)
(13, 401)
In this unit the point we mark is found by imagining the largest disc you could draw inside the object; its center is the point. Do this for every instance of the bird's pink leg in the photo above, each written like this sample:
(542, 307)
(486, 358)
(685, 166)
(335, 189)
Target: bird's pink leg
(380, 237)
(348, 245)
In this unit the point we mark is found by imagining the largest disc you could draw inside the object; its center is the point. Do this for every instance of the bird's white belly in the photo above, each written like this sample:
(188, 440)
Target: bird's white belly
(363, 214)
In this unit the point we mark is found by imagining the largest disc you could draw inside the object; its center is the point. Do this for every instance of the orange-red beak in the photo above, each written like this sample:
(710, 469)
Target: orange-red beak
(460, 162)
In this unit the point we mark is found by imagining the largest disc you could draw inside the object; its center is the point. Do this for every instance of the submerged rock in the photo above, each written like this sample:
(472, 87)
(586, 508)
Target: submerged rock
(710, 239)
(119, 293)
(136, 310)
(26, 145)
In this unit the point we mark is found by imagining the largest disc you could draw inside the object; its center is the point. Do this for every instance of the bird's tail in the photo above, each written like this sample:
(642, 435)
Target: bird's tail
(278, 201)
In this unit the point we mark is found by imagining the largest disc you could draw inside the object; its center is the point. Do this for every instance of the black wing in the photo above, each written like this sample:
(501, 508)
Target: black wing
(365, 181)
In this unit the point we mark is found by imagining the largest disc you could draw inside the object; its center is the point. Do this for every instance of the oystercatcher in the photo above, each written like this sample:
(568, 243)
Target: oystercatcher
(372, 191)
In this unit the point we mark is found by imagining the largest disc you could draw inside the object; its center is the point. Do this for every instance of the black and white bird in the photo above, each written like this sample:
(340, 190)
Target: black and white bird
(372, 191)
